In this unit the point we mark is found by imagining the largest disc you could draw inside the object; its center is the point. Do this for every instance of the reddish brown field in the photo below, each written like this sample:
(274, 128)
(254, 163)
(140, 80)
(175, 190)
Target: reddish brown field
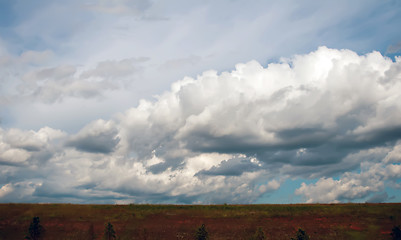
(320, 221)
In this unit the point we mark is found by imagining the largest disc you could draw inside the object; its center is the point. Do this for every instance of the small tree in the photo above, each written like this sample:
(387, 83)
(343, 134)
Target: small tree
(258, 235)
(301, 235)
(109, 232)
(396, 233)
(35, 229)
(202, 234)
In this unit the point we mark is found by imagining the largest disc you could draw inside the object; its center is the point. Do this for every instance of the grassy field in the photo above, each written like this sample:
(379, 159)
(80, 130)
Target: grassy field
(320, 221)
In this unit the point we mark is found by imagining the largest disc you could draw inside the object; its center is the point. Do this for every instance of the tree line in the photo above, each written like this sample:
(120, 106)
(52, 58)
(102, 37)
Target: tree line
(36, 232)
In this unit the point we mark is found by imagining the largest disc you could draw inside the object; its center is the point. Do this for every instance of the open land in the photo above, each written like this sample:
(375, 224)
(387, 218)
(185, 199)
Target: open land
(320, 221)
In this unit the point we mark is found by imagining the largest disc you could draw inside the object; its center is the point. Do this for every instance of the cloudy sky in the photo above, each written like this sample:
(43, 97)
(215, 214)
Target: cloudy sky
(228, 101)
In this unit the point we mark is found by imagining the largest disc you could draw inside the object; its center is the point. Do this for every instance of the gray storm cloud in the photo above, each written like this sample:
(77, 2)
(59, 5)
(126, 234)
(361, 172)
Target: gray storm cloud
(235, 136)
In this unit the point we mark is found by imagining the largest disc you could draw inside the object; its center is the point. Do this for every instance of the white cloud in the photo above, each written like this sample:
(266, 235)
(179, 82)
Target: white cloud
(112, 70)
(317, 103)
(226, 137)
(314, 115)
(32, 77)
(82, 35)
(6, 189)
(353, 186)
(13, 156)
(350, 187)
(326, 97)
(19, 192)
(18, 147)
(54, 84)
(270, 186)
(97, 137)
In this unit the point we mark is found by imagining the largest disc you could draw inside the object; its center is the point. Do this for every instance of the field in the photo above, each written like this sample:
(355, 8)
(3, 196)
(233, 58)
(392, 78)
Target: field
(320, 221)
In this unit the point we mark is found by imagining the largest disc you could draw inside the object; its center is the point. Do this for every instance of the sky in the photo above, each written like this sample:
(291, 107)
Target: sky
(200, 102)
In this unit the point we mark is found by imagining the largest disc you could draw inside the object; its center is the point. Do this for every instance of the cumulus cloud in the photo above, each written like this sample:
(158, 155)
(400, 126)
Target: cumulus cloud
(6, 189)
(97, 137)
(233, 167)
(297, 109)
(376, 171)
(350, 186)
(228, 137)
(20, 147)
(299, 116)
(19, 191)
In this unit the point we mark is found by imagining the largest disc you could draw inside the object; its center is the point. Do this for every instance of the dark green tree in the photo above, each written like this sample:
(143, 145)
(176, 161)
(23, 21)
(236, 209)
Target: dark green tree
(109, 232)
(301, 235)
(35, 229)
(258, 235)
(396, 233)
(201, 233)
